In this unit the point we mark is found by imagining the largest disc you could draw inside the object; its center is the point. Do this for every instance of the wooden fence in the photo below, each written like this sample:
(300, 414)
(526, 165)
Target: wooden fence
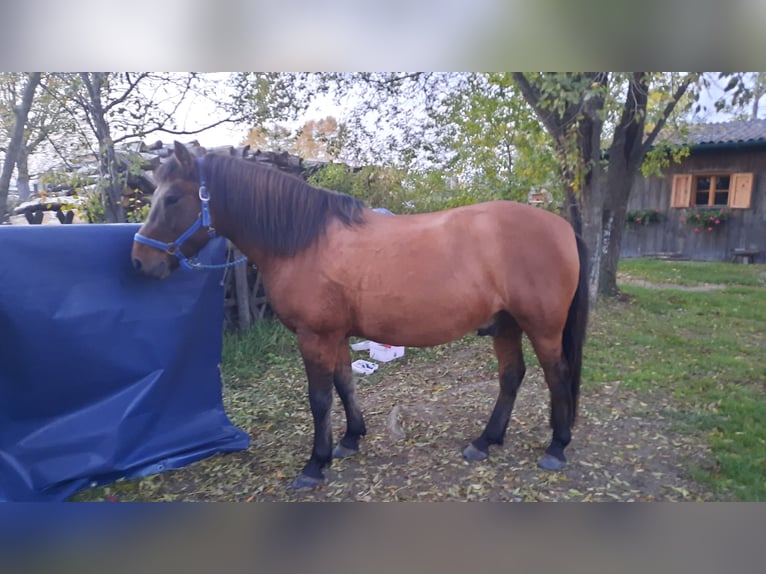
(245, 299)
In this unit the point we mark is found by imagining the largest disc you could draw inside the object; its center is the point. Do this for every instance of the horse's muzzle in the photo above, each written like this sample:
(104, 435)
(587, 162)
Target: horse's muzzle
(159, 269)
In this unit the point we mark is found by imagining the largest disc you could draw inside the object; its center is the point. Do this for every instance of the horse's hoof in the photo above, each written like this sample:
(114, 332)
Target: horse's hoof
(474, 454)
(305, 482)
(344, 452)
(550, 462)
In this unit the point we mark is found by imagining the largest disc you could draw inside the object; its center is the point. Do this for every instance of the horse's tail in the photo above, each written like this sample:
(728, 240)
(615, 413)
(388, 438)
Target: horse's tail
(573, 338)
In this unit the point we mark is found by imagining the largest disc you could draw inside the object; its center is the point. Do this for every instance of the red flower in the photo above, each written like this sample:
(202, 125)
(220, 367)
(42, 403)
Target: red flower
(696, 230)
(717, 221)
(710, 229)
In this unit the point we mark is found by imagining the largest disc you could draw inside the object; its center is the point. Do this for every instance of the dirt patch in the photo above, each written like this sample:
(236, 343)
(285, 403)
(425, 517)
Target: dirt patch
(423, 410)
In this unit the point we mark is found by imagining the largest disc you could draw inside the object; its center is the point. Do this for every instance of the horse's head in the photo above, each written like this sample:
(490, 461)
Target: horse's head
(178, 224)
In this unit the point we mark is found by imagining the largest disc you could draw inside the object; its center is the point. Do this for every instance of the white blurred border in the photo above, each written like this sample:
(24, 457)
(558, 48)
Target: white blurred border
(344, 35)
(203, 35)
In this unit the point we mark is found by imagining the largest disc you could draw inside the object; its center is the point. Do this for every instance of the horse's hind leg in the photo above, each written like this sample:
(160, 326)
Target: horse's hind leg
(345, 386)
(510, 358)
(562, 401)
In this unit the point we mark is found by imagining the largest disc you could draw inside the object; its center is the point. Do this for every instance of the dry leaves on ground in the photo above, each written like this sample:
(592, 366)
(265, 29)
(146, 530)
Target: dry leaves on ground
(422, 411)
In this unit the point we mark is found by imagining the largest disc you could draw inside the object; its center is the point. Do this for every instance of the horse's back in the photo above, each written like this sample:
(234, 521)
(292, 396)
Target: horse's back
(484, 239)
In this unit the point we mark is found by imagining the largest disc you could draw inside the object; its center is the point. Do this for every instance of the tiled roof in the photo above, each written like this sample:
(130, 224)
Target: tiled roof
(743, 132)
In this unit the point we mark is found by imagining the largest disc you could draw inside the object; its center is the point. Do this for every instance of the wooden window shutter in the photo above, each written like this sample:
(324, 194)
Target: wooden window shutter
(681, 195)
(741, 190)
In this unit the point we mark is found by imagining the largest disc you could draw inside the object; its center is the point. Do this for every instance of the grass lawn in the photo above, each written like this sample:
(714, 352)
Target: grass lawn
(707, 348)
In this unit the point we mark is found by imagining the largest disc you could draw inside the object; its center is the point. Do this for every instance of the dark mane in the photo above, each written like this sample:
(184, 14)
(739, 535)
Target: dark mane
(276, 211)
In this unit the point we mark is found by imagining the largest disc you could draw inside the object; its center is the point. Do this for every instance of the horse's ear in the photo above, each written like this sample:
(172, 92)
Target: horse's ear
(182, 154)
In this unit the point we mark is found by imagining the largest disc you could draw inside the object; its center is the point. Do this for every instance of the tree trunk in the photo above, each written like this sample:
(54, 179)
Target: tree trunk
(111, 188)
(22, 174)
(613, 218)
(625, 157)
(593, 232)
(21, 113)
(114, 211)
(592, 189)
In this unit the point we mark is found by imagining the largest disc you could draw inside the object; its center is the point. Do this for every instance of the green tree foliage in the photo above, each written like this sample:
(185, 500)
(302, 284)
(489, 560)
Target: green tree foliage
(386, 113)
(457, 138)
(377, 186)
(493, 142)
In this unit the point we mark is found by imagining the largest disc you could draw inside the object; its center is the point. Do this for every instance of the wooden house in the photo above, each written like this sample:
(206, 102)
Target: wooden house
(711, 205)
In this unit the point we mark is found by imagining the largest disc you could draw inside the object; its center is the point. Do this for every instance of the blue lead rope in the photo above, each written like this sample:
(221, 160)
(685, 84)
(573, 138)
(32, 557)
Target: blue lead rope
(194, 264)
(203, 220)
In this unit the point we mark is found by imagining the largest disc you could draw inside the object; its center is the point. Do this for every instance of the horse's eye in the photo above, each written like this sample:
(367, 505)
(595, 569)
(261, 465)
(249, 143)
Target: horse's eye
(171, 199)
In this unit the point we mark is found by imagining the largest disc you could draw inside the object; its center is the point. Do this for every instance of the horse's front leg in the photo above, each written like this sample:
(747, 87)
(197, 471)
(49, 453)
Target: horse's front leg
(346, 389)
(319, 356)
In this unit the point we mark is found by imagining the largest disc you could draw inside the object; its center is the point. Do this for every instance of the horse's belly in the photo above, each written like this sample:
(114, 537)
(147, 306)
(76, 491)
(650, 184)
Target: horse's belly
(416, 322)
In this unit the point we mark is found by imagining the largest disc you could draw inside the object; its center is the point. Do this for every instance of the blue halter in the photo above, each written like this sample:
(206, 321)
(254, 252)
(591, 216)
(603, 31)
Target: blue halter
(202, 221)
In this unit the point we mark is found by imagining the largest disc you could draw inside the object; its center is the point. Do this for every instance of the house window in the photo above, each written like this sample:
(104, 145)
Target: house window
(711, 190)
(732, 190)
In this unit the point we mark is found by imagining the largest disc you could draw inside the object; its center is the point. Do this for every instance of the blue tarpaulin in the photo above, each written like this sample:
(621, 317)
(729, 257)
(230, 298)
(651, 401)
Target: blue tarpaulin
(104, 373)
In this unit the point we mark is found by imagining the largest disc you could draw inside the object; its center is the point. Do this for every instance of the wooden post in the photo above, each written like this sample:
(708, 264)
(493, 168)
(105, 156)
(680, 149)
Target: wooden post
(243, 295)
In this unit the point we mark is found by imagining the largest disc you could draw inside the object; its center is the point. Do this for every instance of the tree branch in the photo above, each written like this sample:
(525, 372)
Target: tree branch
(59, 153)
(556, 124)
(76, 122)
(397, 79)
(677, 95)
(533, 96)
(160, 128)
(132, 85)
(628, 133)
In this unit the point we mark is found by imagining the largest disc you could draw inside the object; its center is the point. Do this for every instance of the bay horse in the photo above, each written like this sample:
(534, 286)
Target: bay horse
(334, 268)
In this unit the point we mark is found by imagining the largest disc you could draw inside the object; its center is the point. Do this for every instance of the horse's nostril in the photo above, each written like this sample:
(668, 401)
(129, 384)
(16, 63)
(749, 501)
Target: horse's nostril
(137, 264)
